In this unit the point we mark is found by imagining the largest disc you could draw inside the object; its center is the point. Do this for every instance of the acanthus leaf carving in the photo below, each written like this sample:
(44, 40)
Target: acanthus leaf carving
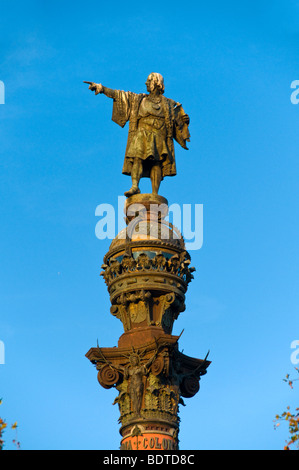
(178, 265)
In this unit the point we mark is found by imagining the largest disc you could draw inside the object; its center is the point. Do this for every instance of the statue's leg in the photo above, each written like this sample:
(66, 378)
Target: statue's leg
(136, 175)
(156, 177)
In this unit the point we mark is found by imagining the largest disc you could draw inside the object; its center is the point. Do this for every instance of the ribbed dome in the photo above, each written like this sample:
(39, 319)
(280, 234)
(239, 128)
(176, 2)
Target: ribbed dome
(149, 230)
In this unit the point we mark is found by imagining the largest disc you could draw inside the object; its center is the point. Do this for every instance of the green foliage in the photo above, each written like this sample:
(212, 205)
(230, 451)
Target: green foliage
(292, 418)
(3, 425)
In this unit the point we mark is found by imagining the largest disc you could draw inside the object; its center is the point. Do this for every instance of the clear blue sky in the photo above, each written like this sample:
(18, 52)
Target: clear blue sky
(231, 65)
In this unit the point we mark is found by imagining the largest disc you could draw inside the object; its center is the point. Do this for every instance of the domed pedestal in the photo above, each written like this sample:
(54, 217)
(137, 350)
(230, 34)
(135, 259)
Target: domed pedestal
(152, 205)
(147, 271)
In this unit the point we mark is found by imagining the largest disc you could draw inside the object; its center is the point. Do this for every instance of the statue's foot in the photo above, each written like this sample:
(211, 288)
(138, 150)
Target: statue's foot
(133, 190)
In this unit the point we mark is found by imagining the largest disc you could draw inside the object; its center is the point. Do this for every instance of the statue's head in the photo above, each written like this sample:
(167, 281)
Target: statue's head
(134, 359)
(155, 80)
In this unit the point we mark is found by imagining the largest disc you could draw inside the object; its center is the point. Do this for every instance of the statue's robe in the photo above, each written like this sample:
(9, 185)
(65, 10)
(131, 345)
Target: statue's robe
(152, 129)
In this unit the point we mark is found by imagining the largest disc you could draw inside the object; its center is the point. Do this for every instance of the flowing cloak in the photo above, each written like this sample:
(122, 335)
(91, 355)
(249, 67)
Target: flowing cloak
(126, 108)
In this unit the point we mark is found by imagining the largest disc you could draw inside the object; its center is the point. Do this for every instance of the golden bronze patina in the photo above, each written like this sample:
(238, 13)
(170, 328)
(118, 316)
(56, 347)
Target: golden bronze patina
(147, 271)
(154, 122)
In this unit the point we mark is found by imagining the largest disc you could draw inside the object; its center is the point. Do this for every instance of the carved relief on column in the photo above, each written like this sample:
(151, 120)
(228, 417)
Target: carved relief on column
(150, 382)
(133, 308)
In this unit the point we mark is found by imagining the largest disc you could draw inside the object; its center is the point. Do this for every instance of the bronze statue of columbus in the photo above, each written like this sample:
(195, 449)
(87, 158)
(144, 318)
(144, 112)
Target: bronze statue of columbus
(154, 121)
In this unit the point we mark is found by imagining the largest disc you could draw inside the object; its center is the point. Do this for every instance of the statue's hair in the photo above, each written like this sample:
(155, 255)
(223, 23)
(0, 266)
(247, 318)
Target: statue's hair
(158, 80)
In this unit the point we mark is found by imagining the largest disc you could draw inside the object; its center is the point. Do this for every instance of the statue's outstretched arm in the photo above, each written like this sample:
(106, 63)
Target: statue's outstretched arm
(99, 88)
